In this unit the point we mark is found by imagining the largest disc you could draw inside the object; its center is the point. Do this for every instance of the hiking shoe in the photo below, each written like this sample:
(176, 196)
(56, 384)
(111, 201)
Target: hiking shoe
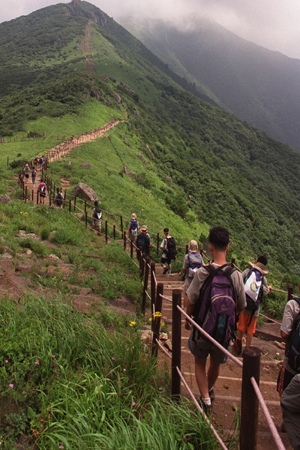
(207, 409)
(211, 395)
(165, 270)
(238, 346)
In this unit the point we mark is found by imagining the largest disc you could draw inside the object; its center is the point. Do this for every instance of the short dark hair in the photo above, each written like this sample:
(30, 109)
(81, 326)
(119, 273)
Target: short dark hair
(166, 230)
(262, 259)
(219, 238)
(95, 203)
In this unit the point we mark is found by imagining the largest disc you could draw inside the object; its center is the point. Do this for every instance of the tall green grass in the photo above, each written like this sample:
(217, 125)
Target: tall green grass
(68, 382)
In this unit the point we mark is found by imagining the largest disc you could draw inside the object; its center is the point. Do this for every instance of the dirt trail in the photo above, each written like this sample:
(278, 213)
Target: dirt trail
(228, 386)
(66, 147)
(85, 47)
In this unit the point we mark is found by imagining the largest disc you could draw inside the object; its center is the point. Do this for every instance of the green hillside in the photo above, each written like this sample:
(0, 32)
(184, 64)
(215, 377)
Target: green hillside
(204, 165)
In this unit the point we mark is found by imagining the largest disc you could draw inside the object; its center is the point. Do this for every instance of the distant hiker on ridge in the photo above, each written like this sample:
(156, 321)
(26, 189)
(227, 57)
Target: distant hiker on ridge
(97, 216)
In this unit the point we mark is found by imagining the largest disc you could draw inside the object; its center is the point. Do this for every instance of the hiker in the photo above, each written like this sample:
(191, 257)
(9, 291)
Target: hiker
(192, 262)
(26, 171)
(133, 228)
(256, 286)
(42, 190)
(97, 216)
(143, 242)
(58, 199)
(33, 175)
(230, 298)
(169, 251)
(290, 406)
(289, 328)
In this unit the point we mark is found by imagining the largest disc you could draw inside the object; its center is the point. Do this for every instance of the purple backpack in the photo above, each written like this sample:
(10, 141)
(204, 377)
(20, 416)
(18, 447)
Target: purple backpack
(215, 310)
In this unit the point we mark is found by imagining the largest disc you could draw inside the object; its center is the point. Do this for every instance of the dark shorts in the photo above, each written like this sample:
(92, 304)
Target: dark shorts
(165, 260)
(202, 348)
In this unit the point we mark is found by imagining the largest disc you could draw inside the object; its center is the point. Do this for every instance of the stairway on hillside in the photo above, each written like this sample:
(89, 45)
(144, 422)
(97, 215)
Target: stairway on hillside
(228, 386)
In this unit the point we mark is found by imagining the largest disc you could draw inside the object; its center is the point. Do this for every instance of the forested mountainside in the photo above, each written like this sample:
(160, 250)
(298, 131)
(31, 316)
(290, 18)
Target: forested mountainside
(204, 164)
(258, 85)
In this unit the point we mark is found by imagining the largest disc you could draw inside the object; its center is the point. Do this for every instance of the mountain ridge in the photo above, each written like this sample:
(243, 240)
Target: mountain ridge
(258, 85)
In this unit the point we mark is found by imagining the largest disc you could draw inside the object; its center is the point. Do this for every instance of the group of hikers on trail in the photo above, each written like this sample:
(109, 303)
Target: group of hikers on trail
(143, 243)
(214, 296)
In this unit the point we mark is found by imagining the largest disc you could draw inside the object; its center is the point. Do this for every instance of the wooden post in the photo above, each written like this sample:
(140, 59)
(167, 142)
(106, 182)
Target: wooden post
(106, 232)
(114, 231)
(156, 319)
(290, 292)
(50, 199)
(131, 249)
(121, 221)
(124, 237)
(232, 262)
(141, 260)
(249, 401)
(153, 291)
(85, 206)
(176, 343)
(145, 285)
(186, 249)
(86, 219)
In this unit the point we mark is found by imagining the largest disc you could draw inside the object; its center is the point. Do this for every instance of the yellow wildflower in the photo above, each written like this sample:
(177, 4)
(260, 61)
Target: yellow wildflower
(158, 314)
(131, 323)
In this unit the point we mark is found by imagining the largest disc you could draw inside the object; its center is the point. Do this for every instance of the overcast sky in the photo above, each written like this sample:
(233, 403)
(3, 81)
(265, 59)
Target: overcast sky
(274, 24)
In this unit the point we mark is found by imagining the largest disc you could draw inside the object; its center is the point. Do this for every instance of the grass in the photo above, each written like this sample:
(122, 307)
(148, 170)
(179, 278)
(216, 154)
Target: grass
(64, 386)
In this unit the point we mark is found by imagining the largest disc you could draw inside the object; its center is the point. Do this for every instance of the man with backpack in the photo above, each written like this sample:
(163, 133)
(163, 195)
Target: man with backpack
(290, 333)
(169, 251)
(215, 295)
(97, 216)
(143, 242)
(58, 198)
(133, 228)
(256, 286)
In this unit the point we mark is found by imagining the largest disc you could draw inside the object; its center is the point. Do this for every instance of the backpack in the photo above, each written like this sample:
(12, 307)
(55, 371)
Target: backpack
(215, 309)
(252, 286)
(133, 227)
(42, 187)
(195, 262)
(59, 199)
(293, 346)
(143, 241)
(33, 173)
(171, 247)
(97, 213)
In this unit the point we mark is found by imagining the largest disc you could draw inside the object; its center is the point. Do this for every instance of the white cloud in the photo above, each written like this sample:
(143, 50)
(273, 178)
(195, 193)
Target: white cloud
(271, 23)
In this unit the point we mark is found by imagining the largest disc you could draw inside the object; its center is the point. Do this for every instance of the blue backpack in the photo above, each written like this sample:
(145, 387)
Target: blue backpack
(215, 310)
(133, 227)
(293, 347)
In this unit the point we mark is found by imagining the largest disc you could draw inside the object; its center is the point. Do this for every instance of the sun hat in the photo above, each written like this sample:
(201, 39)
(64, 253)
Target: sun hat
(193, 246)
(144, 228)
(133, 216)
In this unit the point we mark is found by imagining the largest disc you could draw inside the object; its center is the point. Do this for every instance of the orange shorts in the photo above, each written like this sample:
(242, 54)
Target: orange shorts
(243, 323)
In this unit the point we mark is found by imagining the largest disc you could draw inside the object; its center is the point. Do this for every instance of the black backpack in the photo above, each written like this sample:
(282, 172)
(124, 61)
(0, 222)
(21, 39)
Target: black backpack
(171, 247)
(97, 213)
(293, 346)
